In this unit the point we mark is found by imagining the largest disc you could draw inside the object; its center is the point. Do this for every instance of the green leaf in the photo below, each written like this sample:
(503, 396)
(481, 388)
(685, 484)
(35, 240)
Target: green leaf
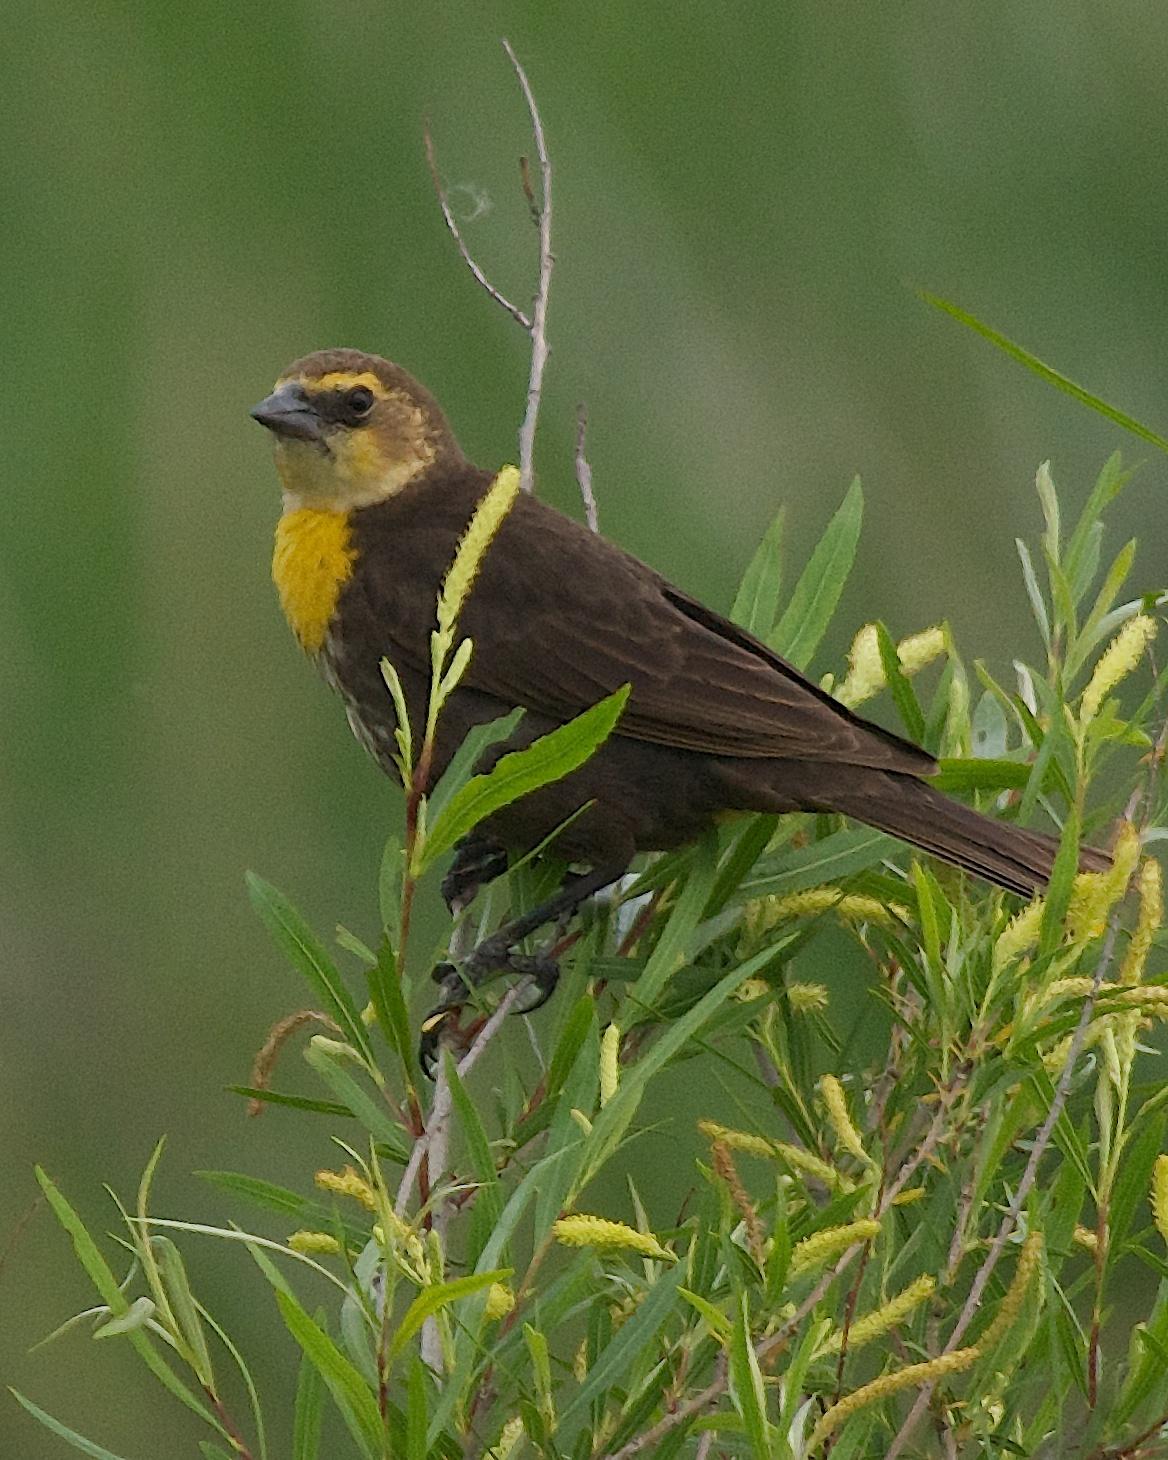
(746, 1388)
(903, 694)
(1062, 881)
(63, 1432)
(488, 1199)
(293, 1102)
(182, 1305)
(372, 1113)
(757, 600)
(547, 759)
(679, 928)
(350, 1393)
(974, 774)
(106, 1284)
(716, 1320)
(388, 1000)
(1045, 372)
(839, 855)
(612, 1122)
(633, 1338)
(478, 741)
(308, 954)
(1034, 592)
(806, 617)
(431, 1299)
(262, 1193)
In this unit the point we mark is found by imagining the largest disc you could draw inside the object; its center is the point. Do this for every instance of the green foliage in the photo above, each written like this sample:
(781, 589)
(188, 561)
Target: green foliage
(958, 1220)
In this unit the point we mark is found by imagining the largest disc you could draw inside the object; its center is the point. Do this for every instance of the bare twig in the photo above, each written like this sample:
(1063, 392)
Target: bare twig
(542, 210)
(584, 470)
(466, 1064)
(455, 232)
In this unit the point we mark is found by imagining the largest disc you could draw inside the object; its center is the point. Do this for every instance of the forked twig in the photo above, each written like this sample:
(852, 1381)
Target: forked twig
(541, 207)
(480, 277)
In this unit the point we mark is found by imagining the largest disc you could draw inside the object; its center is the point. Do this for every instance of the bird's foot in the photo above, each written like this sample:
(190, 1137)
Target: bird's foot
(477, 861)
(539, 973)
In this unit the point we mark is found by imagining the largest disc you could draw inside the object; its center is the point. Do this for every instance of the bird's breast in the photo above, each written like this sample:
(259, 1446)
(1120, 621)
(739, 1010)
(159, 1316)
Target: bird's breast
(312, 561)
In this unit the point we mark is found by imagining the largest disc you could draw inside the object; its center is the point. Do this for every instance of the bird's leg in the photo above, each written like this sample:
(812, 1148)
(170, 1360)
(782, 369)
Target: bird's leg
(478, 859)
(496, 955)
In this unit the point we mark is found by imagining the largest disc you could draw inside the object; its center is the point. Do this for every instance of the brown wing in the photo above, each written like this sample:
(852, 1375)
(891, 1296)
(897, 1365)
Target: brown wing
(561, 617)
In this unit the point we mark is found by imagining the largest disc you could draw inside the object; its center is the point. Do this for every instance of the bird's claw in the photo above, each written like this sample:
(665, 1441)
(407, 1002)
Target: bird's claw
(456, 984)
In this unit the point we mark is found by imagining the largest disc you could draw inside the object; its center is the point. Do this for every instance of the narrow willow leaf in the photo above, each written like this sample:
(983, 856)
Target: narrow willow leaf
(841, 854)
(903, 695)
(549, 758)
(389, 1004)
(435, 1297)
(106, 1284)
(182, 1304)
(805, 619)
(350, 1393)
(993, 774)
(62, 1431)
(466, 757)
(632, 1339)
(309, 955)
(1034, 592)
(757, 600)
(370, 1111)
(1045, 372)
(746, 1389)
(293, 1102)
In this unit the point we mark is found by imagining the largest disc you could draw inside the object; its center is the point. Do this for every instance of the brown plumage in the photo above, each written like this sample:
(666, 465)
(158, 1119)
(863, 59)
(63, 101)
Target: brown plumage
(715, 722)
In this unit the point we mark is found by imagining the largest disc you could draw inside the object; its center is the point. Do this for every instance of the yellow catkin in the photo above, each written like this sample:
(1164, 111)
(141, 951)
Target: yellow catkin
(821, 1247)
(919, 650)
(738, 1140)
(348, 1183)
(865, 676)
(1086, 1238)
(880, 1320)
(768, 912)
(1148, 923)
(609, 1063)
(724, 1166)
(841, 1121)
(1011, 1304)
(589, 1231)
(1160, 1195)
(878, 1389)
(800, 1160)
(488, 518)
(909, 1195)
(1019, 935)
(323, 1243)
(500, 1301)
(807, 998)
(1116, 662)
(510, 1437)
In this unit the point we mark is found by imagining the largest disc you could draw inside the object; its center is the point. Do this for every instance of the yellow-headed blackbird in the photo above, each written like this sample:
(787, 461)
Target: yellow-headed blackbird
(377, 494)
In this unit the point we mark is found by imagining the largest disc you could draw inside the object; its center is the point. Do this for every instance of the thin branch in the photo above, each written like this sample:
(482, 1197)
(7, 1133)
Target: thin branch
(584, 470)
(538, 325)
(466, 1064)
(481, 279)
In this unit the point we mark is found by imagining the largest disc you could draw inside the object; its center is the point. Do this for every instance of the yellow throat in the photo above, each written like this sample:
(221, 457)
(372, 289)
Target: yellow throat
(312, 562)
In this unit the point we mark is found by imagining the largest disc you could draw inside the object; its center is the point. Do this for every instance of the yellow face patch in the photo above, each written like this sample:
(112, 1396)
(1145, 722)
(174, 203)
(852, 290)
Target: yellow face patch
(312, 562)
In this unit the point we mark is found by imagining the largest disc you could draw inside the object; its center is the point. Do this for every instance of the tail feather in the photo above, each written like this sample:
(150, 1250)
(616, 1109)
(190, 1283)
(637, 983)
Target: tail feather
(1010, 856)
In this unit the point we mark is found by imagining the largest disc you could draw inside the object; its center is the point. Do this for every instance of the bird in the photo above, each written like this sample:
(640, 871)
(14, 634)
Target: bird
(377, 494)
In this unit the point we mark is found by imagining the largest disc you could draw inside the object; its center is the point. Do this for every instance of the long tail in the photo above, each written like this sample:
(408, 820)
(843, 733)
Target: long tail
(1007, 855)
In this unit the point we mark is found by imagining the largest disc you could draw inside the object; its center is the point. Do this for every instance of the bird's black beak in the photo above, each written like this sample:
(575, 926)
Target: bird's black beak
(289, 413)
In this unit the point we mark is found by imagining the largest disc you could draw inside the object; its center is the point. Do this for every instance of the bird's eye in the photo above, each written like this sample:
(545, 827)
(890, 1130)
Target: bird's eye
(359, 401)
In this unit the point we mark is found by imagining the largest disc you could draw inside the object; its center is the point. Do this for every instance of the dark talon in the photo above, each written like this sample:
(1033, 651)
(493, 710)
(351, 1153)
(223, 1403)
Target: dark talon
(477, 861)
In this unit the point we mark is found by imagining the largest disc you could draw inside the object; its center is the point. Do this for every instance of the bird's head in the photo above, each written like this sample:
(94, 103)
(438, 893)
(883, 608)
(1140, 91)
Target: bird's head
(352, 429)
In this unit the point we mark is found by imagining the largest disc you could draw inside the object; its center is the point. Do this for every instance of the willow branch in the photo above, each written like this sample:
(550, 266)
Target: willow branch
(584, 470)
(542, 212)
(480, 277)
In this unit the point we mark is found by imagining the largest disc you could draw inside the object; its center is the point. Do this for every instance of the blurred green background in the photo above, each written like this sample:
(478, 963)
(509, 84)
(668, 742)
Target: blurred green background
(744, 194)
